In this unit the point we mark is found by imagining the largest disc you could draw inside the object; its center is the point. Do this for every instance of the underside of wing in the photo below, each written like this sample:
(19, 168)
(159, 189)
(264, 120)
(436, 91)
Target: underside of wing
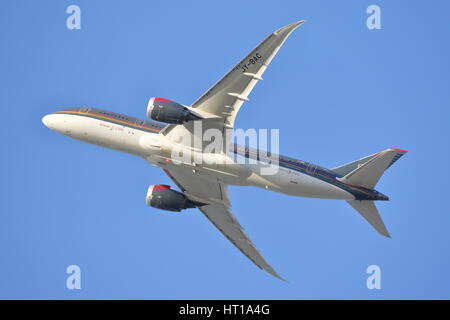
(214, 195)
(225, 98)
(228, 94)
(224, 220)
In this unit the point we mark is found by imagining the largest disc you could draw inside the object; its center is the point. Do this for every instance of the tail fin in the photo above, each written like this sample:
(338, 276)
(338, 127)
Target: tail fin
(367, 171)
(370, 212)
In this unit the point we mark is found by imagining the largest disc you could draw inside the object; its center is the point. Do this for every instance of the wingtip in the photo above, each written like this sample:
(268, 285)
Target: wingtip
(385, 233)
(290, 27)
(400, 150)
(299, 22)
(280, 278)
(275, 274)
(296, 24)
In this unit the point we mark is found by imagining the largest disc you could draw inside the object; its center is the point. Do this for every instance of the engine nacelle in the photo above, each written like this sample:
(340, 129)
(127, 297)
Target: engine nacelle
(168, 111)
(162, 197)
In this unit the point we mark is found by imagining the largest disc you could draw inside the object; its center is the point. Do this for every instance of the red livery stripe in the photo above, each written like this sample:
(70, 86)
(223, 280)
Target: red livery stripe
(161, 186)
(394, 149)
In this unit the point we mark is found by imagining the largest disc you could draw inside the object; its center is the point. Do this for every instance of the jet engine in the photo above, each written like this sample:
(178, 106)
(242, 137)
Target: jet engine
(162, 197)
(168, 111)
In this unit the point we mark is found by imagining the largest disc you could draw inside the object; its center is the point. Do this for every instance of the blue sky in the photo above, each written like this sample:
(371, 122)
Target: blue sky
(337, 91)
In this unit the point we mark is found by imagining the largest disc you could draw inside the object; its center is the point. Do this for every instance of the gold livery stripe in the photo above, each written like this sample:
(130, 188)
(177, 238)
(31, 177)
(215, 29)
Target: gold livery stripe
(108, 118)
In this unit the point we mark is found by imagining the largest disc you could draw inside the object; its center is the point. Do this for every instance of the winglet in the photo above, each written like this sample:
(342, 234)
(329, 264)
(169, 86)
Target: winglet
(289, 28)
(270, 270)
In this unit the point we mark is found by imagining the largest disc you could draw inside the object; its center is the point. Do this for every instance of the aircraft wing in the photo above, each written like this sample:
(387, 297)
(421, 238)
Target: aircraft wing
(217, 210)
(224, 99)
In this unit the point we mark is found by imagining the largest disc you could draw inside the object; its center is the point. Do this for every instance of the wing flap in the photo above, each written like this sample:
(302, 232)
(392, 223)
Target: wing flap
(199, 187)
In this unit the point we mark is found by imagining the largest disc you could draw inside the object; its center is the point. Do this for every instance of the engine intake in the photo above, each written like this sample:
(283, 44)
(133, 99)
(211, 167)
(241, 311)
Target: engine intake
(167, 111)
(162, 197)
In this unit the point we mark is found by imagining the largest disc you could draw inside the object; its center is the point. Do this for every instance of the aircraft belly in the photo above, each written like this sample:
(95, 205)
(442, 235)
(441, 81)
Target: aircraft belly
(297, 184)
(307, 186)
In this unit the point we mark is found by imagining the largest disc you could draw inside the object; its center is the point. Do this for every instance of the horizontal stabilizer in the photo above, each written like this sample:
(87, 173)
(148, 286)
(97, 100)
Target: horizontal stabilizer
(349, 167)
(370, 212)
(367, 171)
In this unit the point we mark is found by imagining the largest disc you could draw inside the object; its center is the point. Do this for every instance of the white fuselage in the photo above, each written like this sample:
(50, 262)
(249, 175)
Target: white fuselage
(156, 148)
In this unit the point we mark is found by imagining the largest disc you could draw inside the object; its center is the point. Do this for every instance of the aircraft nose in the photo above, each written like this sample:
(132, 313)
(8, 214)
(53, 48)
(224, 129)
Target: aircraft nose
(46, 120)
(58, 122)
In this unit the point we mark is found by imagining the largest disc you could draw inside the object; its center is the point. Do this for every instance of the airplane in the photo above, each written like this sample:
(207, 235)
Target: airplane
(203, 185)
